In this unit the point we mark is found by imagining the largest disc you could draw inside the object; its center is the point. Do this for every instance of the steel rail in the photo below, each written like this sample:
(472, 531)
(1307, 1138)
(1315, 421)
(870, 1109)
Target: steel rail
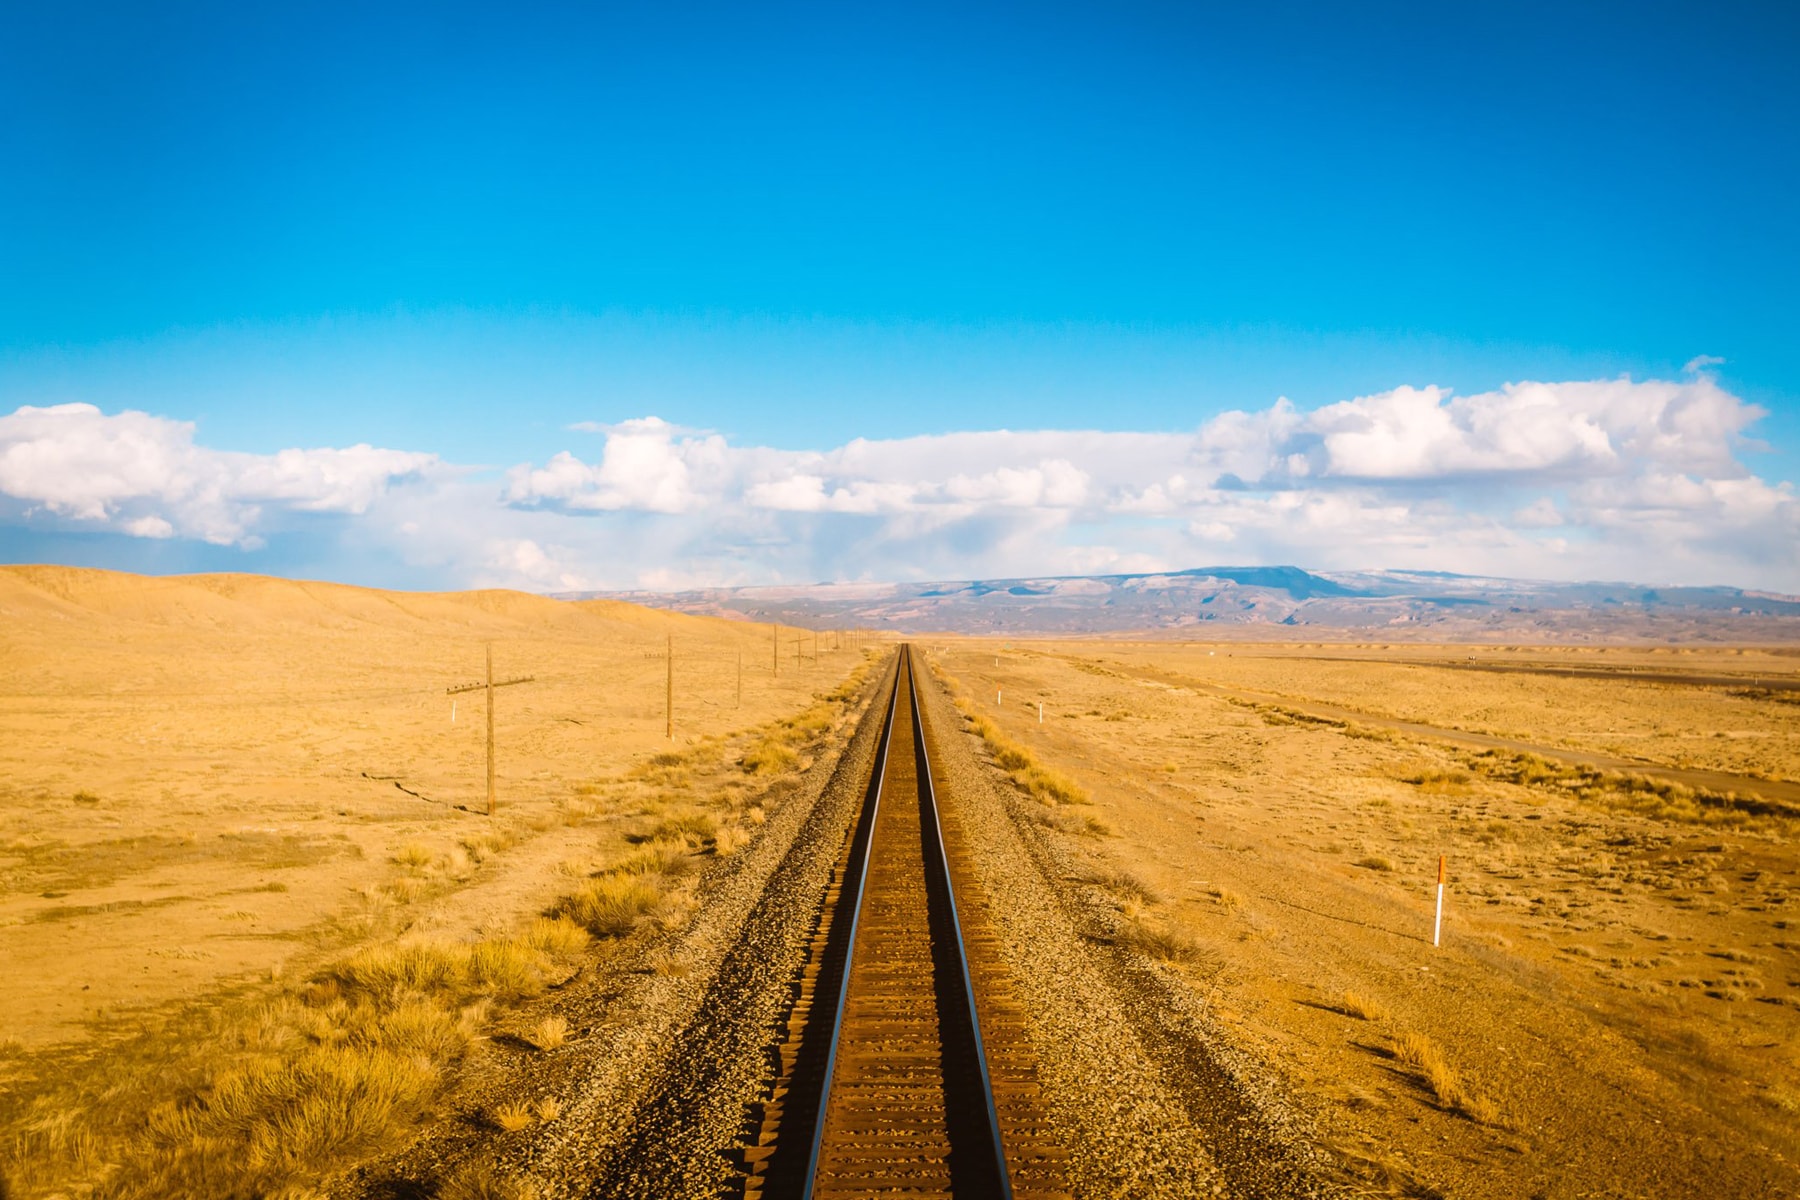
(928, 799)
(862, 882)
(938, 881)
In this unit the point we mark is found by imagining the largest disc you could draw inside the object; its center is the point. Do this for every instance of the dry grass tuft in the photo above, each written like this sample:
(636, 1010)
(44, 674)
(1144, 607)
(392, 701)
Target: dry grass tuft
(1161, 942)
(549, 1033)
(415, 855)
(513, 1116)
(484, 845)
(695, 830)
(548, 1109)
(1659, 799)
(1375, 862)
(1420, 1055)
(1126, 886)
(1452, 783)
(559, 938)
(1363, 1008)
(770, 757)
(1049, 786)
(659, 856)
(480, 1182)
(612, 905)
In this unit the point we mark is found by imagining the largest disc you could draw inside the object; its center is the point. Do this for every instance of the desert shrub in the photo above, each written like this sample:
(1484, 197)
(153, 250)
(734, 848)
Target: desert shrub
(658, 856)
(482, 1182)
(422, 1028)
(1442, 782)
(513, 1116)
(1420, 1055)
(1360, 1006)
(612, 905)
(549, 1033)
(695, 829)
(1161, 942)
(413, 854)
(1375, 862)
(403, 967)
(770, 757)
(559, 938)
(1049, 786)
(485, 844)
(1127, 886)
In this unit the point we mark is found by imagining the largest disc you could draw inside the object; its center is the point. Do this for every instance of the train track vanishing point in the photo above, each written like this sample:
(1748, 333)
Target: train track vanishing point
(905, 1067)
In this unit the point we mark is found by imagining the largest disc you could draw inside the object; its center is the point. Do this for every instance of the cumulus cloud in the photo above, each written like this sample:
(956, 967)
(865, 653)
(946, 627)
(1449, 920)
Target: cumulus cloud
(1617, 478)
(144, 475)
(647, 465)
(1627, 476)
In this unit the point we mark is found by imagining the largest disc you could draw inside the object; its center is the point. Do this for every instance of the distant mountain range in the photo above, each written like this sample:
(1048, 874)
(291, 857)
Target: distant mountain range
(1237, 602)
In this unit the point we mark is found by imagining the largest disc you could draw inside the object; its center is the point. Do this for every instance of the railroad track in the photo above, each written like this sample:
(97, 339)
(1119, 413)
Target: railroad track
(904, 1067)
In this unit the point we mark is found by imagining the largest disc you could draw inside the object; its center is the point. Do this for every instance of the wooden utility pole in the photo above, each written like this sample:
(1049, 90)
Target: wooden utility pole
(777, 644)
(740, 688)
(669, 698)
(489, 687)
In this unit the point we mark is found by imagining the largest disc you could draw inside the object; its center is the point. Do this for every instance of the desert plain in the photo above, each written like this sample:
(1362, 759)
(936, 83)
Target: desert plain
(258, 926)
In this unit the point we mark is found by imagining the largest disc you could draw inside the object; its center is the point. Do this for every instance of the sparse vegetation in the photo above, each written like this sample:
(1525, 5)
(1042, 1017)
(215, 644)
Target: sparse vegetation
(549, 1033)
(612, 905)
(1163, 942)
(513, 1115)
(1443, 783)
(1362, 1007)
(1375, 862)
(1420, 1055)
(1127, 886)
(1049, 786)
(482, 1182)
(1662, 799)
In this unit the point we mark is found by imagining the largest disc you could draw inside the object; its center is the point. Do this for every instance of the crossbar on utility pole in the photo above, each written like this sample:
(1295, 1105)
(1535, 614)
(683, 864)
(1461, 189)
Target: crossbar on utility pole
(489, 687)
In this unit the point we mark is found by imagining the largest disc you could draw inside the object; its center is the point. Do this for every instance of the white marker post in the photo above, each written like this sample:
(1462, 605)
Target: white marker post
(999, 697)
(453, 712)
(1040, 712)
(1437, 928)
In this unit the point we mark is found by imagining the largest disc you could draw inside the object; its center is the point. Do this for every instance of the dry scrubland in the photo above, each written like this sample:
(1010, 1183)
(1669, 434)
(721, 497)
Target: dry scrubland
(255, 933)
(1615, 1010)
(248, 917)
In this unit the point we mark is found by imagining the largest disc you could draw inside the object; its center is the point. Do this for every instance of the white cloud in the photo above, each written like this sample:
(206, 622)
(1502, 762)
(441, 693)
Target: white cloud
(647, 465)
(1616, 478)
(144, 476)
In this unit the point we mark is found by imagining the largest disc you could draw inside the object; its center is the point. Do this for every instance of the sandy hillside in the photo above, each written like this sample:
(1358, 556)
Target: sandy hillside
(206, 778)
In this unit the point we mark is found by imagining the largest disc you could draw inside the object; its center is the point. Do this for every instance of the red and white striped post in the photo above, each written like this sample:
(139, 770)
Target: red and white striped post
(1437, 927)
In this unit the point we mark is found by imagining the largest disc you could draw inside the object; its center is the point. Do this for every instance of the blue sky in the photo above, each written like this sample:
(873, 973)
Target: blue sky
(453, 233)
